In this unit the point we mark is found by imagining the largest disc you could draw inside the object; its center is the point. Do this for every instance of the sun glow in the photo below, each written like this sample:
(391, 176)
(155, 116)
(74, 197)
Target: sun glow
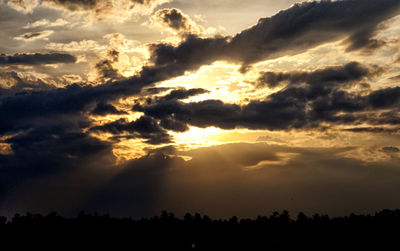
(197, 137)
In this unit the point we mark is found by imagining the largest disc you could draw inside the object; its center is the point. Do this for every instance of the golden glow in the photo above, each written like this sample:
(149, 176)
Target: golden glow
(224, 82)
(129, 149)
(197, 137)
(282, 160)
(5, 149)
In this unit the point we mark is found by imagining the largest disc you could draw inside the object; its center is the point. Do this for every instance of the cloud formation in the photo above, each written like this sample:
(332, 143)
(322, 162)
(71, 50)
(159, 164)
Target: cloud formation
(36, 59)
(310, 100)
(30, 36)
(144, 127)
(48, 131)
(350, 72)
(95, 9)
(175, 21)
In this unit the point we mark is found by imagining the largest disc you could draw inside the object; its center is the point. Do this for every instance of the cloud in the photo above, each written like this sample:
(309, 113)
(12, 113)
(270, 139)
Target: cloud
(372, 130)
(36, 59)
(25, 6)
(103, 109)
(74, 46)
(183, 94)
(385, 98)
(331, 75)
(49, 127)
(309, 24)
(391, 149)
(12, 83)
(110, 10)
(175, 21)
(289, 32)
(46, 23)
(285, 109)
(98, 10)
(30, 36)
(144, 127)
(319, 100)
(106, 71)
(51, 151)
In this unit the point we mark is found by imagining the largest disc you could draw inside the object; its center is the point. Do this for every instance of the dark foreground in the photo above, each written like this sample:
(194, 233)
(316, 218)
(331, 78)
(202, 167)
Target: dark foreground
(166, 232)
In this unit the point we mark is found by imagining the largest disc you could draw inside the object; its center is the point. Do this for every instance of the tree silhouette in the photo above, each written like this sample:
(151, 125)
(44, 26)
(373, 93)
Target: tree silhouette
(276, 232)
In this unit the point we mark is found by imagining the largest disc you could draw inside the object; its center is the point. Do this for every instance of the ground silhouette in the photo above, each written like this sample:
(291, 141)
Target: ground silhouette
(167, 232)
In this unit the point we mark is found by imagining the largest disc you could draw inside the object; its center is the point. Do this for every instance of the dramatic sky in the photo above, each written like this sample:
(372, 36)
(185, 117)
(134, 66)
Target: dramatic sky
(223, 107)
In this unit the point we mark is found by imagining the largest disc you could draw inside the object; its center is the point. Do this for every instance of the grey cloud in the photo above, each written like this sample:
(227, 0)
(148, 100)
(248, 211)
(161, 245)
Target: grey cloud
(372, 130)
(385, 98)
(105, 70)
(91, 4)
(353, 71)
(290, 32)
(177, 21)
(174, 18)
(309, 24)
(31, 35)
(144, 127)
(36, 59)
(106, 109)
(193, 52)
(391, 149)
(294, 107)
(183, 94)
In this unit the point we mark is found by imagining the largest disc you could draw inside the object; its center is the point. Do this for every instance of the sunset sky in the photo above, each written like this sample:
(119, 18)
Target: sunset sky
(222, 107)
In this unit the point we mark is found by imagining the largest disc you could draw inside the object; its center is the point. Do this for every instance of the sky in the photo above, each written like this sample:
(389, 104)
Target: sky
(222, 107)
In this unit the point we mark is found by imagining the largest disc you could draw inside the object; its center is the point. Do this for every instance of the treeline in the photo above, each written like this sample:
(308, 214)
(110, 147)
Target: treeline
(276, 232)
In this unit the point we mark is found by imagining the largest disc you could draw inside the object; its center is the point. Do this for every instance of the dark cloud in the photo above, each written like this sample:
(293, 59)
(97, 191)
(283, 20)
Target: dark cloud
(171, 61)
(91, 4)
(144, 127)
(372, 130)
(174, 18)
(290, 32)
(391, 149)
(385, 98)
(50, 150)
(337, 75)
(309, 24)
(76, 4)
(36, 59)
(103, 109)
(31, 35)
(295, 107)
(183, 94)
(191, 54)
(105, 70)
